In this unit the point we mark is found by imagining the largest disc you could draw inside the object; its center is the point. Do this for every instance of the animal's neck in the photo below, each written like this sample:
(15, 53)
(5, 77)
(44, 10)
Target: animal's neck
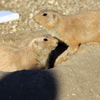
(59, 27)
(42, 56)
(54, 31)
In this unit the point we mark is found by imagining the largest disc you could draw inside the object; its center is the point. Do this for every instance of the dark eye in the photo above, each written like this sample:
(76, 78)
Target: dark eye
(45, 14)
(45, 39)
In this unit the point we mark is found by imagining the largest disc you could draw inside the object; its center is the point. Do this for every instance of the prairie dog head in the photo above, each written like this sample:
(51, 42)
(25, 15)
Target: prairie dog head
(47, 43)
(47, 18)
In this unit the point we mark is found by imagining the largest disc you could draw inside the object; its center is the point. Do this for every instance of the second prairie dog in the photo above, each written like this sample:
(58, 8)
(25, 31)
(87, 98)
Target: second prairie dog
(32, 56)
(73, 30)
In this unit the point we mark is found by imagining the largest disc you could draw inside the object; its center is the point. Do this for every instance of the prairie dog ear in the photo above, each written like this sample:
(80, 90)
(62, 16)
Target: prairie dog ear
(53, 18)
(34, 43)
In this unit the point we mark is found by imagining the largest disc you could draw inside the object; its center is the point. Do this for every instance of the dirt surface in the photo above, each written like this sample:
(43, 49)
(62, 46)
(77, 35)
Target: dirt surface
(75, 79)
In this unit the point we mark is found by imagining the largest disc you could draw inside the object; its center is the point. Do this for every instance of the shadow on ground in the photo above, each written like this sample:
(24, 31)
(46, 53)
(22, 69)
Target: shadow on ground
(28, 85)
(55, 53)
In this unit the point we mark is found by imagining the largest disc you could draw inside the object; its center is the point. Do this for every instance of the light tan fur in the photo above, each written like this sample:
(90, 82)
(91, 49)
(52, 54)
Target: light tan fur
(73, 29)
(32, 56)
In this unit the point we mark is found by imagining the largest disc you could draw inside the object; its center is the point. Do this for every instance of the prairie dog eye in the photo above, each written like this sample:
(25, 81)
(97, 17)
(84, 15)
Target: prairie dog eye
(45, 39)
(45, 14)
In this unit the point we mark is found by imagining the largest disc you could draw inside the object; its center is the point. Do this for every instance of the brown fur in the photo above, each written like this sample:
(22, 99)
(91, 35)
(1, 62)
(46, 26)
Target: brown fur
(73, 30)
(32, 56)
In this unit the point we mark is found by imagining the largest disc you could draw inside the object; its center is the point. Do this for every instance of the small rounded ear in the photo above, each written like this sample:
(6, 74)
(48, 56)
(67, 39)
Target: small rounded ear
(34, 43)
(53, 18)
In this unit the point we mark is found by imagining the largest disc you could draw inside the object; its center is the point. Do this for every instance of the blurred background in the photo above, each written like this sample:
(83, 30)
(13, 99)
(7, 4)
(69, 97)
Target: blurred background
(21, 31)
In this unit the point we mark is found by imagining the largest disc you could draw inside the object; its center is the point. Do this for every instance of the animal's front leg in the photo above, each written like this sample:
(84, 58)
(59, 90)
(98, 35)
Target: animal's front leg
(61, 58)
(72, 49)
(66, 55)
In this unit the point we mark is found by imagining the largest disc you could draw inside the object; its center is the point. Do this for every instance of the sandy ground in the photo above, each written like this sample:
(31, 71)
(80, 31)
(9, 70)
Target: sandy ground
(74, 79)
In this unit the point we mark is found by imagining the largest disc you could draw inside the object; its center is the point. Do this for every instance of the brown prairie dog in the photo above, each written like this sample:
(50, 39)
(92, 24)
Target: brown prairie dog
(32, 56)
(73, 30)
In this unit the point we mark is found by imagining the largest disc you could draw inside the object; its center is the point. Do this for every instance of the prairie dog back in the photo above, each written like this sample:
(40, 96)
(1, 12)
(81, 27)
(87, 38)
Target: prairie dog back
(72, 29)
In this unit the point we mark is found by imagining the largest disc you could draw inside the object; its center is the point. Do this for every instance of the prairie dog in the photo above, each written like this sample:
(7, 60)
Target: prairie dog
(32, 56)
(73, 30)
